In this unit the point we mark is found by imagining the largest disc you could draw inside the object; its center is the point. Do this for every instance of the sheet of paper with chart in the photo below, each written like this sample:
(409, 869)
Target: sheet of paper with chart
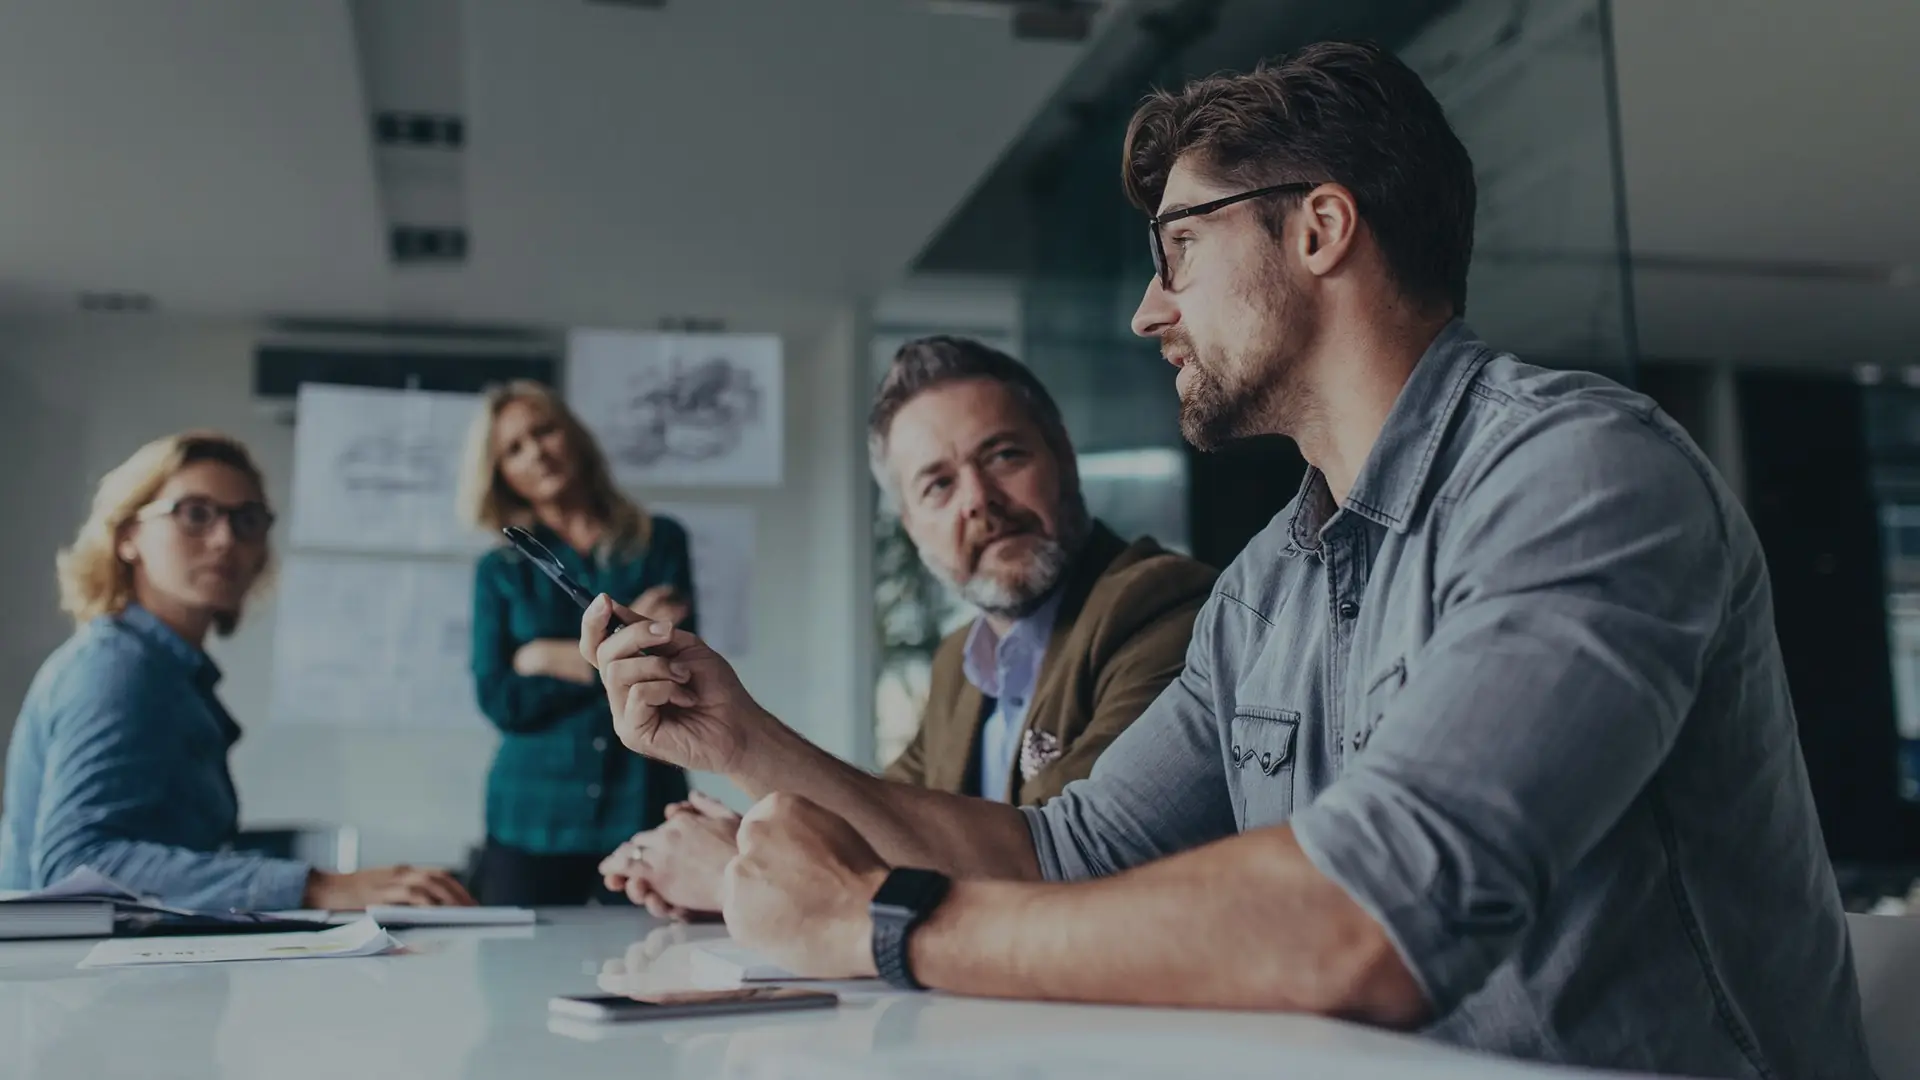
(686, 410)
(377, 470)
(721, 539)
(374, 642)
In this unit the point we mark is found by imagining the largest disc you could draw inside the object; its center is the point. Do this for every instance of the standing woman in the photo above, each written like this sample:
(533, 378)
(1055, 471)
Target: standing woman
(562, 792)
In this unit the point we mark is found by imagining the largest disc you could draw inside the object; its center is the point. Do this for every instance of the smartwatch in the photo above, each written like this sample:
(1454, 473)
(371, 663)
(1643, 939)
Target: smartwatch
(903, 902)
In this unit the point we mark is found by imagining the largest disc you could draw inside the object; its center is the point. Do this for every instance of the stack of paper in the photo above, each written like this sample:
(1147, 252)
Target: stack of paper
(363, 938)
(78, 905)
(22, 920)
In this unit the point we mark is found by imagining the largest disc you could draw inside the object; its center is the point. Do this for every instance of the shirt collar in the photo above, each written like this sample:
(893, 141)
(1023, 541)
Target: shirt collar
(1390, 482)
(158, 636)
(1024, 647)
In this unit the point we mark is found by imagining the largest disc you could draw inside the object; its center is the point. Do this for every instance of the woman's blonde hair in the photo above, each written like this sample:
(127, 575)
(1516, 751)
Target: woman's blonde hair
(488, 502)
(94, 579)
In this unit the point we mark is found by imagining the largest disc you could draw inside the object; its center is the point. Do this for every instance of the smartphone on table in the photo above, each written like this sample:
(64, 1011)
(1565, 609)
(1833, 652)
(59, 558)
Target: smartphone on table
(614, 1008)
(537, 553)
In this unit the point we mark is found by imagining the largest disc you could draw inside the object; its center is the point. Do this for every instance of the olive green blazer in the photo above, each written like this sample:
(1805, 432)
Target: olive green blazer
(1119, 638)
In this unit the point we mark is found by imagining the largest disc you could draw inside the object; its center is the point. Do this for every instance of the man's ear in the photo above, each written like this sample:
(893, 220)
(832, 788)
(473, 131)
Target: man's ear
(1329, 228)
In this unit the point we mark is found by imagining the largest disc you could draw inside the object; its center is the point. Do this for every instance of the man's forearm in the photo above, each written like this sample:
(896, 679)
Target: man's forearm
(908, 826)
(1245, 923)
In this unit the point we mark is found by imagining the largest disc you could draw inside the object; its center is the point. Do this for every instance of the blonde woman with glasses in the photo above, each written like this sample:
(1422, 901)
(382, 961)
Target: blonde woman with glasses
(119, 759)
(562, 791)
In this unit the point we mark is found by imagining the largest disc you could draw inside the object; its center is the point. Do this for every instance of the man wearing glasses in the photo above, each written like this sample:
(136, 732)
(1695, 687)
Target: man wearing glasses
(1078, 631)
(1486, 734)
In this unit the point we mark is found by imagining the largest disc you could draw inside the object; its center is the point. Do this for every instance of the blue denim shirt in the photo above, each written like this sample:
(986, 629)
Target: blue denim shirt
(119, 762)
(1005, 670)
(1520, 696)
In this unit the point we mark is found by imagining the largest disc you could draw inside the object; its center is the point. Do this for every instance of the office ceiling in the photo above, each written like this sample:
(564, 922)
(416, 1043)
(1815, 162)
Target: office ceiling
(762, 161)
(757, 161)
(1772, 157)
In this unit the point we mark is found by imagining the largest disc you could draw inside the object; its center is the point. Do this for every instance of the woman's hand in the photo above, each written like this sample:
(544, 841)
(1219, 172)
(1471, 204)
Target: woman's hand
(674, 870)
(662, 603)
(555, 658)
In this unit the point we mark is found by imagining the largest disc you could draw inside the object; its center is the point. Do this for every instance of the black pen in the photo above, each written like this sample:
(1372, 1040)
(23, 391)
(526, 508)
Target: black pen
(524, 542)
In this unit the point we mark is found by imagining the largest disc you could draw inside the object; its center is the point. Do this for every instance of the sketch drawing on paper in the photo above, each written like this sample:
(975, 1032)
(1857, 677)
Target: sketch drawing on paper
(388, 462)
(680, 409)
(688, 412)
(375, 470)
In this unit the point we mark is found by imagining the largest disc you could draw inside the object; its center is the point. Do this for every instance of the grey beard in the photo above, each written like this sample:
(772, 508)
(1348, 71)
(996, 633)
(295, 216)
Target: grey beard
(1036, 580)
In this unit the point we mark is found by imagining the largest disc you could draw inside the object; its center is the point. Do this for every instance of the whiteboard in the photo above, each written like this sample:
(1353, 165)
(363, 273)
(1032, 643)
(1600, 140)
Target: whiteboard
(721, 539)
(680, 409)
(377, 470)
(374, 642)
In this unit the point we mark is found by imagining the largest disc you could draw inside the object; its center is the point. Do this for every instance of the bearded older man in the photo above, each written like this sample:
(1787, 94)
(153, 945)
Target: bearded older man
(1077, 632)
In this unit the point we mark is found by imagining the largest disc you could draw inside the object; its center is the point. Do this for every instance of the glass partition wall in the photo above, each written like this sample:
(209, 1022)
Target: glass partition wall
(1048, 261)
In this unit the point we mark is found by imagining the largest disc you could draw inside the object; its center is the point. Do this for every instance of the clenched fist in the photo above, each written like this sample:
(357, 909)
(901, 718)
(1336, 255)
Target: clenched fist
(798, 891)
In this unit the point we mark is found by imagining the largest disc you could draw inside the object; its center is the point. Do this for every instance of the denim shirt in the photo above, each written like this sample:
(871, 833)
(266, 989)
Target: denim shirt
(1521, 698)
(1005, 670)
(119, 762)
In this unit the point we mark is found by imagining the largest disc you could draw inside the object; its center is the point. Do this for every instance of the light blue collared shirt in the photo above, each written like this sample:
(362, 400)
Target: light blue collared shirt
(1006, 670)
(119, 763)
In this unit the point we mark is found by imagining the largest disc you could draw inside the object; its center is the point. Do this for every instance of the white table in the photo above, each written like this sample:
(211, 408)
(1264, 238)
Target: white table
(473, 1003)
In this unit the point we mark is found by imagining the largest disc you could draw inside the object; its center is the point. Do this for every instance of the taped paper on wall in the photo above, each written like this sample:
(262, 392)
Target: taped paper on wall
(721, 540)
(377, 470)
(680, 409)
(370, 642)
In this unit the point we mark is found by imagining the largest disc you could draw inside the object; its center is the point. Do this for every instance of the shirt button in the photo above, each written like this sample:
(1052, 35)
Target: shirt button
(600, 743)
(1016, 702)
(1349, 609)
(593, 791)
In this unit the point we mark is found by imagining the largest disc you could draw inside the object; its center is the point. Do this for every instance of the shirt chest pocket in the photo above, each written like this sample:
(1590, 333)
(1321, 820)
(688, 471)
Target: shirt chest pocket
(1260, 764)
(1380, 692)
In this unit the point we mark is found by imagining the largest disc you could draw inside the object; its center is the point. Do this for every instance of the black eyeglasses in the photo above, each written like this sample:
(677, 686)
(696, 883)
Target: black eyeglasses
(196, 515)
(1161, 265)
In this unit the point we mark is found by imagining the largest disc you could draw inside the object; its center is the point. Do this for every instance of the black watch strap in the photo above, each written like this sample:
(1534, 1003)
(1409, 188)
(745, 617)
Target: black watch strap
(890, 953)
(904, 901)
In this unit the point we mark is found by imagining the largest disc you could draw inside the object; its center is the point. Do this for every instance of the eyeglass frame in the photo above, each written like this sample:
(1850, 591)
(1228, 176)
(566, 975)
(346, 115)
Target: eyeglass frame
(171, 508)
(1154, 223)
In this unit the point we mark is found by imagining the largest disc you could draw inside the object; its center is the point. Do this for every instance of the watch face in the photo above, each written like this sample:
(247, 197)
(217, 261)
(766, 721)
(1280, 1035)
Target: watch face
(908, 891)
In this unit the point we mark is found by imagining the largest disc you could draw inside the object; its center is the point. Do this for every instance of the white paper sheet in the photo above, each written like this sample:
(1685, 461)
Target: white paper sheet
(681, 409)
(371, 642)
(722, 540)
(362, 938)
(402, 916)
(376, 470)
(399, 916)
(84, 881)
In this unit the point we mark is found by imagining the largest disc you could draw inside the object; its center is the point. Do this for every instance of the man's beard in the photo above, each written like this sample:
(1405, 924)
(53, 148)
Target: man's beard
(1251, 391)
(1035, 579)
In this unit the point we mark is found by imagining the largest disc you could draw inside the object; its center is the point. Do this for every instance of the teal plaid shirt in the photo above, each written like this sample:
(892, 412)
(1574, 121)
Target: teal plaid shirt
(562, 784)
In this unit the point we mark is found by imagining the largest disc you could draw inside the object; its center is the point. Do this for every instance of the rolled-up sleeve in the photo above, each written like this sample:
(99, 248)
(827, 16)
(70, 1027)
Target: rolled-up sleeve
(1579, 586)
(1157, 790)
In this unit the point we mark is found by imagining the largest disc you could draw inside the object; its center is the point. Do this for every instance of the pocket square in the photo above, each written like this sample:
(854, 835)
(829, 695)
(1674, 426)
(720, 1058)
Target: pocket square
(1038, 749)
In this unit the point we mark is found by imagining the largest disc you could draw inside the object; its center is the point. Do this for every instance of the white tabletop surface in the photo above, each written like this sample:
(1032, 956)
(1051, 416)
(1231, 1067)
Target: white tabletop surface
(472, 1002)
